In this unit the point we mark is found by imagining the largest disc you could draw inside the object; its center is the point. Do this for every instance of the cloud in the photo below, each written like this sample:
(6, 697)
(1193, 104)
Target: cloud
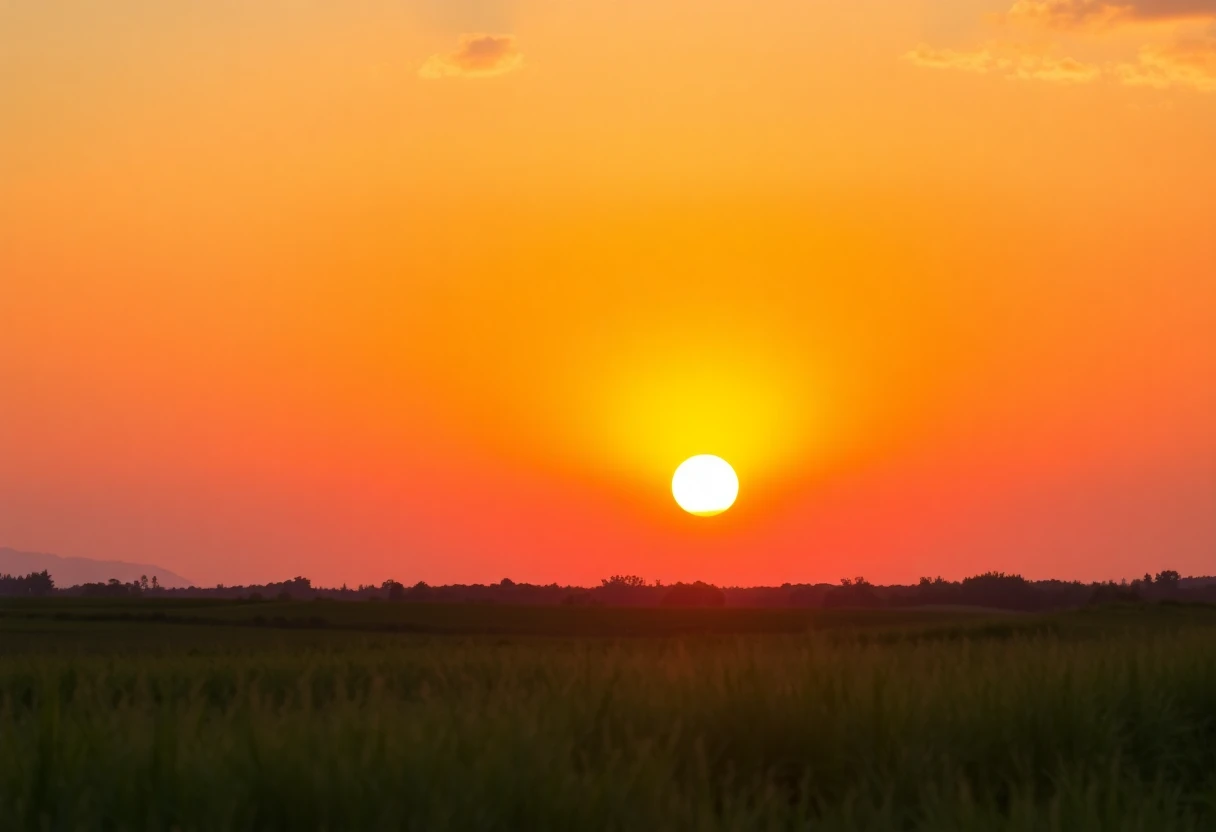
(967, 60)
(1059, 70)
(1185, 63)
(1073, 14)
(1188, 62)
(1006, 60)
(475, 56)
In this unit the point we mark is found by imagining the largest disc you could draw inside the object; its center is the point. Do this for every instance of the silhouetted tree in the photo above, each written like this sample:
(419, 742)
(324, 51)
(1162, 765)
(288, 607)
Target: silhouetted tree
(852, 592)
(1116, 593)
(626, 590)
(630, 581)
(112, 588)
(35, 584)
(998, 589)
(697, 594)
(1167, 580)
(807, 595)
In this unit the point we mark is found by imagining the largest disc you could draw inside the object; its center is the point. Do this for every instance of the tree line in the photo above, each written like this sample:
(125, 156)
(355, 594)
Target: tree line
(990, 589)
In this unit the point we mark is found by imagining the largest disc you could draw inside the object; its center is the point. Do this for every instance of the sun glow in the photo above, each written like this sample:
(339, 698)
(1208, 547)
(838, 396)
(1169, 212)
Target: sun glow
(705, 485)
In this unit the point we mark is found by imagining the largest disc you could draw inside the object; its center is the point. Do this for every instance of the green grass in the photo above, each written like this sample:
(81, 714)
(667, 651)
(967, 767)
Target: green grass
(910, 720)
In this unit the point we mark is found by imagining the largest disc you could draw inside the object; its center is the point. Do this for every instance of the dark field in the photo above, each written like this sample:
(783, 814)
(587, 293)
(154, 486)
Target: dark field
(348, 716)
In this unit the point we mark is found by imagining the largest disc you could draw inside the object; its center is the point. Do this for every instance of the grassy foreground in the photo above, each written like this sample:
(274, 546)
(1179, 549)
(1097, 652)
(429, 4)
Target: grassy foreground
(1085, 721)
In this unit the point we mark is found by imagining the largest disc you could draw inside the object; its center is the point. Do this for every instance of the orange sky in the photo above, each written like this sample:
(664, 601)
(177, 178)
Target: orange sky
(446, 289)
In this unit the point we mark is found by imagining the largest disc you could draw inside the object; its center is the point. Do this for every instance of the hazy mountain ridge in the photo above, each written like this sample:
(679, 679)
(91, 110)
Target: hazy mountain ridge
(75, 571)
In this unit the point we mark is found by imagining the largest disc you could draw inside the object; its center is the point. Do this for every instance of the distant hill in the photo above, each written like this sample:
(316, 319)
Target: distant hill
(74, 571)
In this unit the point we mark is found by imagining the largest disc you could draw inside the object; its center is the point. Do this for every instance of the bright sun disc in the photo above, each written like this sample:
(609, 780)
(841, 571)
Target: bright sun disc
(705, 485)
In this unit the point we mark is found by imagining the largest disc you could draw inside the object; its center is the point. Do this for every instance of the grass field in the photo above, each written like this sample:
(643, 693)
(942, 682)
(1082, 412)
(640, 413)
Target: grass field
(307, 715)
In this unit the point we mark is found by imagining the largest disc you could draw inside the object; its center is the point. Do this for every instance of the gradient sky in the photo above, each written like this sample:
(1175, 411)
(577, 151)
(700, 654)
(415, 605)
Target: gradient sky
(445, 290)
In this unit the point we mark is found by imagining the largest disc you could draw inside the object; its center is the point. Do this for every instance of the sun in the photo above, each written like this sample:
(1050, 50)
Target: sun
(705, 485)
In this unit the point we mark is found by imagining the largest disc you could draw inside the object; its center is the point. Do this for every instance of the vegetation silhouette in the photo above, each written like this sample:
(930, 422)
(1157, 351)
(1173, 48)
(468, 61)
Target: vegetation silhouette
(33, 585)
(994, 590)
(696, 594)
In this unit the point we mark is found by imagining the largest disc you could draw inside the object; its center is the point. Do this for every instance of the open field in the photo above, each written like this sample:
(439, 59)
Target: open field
(189, 715)
(477, 619)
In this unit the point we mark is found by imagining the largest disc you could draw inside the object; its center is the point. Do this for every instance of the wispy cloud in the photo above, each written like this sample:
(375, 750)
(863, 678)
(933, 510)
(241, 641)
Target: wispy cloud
(1006, 60)
(475, 56)
(966, 60)
(1189, 63)
(1059, 70)
(1073, 14)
